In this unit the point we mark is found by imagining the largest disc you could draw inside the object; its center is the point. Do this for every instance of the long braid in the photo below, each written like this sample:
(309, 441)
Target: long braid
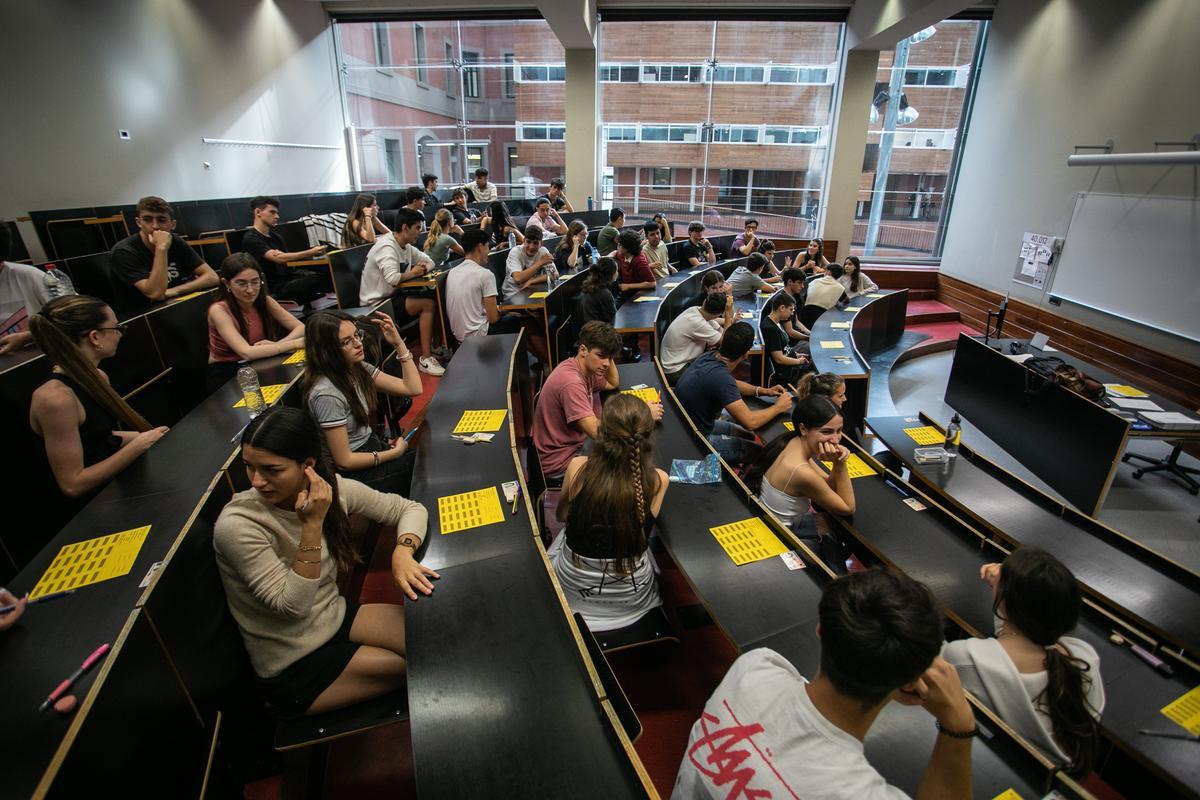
(635, 467)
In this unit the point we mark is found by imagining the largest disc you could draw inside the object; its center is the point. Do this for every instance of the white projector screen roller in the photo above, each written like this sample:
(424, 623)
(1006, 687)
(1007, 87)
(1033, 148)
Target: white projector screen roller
(1134, 257)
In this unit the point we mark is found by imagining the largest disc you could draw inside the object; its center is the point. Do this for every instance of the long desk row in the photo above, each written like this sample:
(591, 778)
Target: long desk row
(503, 699)
(765, 604)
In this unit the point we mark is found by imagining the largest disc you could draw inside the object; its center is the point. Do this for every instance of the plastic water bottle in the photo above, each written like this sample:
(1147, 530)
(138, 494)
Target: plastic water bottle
(953, 436)
(247, 380)
(57, 282)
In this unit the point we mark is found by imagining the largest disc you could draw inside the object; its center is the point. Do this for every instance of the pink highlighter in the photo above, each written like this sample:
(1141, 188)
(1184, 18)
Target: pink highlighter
(65, 686)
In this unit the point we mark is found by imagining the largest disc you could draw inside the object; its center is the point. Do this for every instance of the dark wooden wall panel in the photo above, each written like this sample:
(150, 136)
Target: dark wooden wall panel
(1143, 366)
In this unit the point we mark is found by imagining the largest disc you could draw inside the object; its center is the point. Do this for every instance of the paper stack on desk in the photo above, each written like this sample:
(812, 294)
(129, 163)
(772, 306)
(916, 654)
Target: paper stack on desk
(1171, 421)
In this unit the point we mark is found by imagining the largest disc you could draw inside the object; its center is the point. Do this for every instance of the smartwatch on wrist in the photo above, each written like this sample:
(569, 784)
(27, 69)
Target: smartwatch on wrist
(971, 734)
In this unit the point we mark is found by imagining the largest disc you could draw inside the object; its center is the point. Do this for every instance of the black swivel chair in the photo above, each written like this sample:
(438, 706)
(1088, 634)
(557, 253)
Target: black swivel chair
(1169, 464)
(810, 314)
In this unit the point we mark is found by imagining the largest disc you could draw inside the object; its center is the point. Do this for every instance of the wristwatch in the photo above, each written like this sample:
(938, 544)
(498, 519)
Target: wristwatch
(409, 541)
(971, 734)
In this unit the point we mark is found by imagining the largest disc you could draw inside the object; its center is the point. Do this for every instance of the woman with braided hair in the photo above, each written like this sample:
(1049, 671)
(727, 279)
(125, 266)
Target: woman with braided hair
(609, 502)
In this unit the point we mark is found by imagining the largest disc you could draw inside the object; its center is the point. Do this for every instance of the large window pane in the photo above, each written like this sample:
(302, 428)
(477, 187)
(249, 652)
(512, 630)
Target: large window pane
(494, 98)
(911, 143)
(698, 141)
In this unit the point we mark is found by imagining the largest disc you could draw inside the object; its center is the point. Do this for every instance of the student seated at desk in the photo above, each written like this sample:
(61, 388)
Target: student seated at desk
(712, 282)
(664, 225)
(528, 265)
(439, 244)
(547, 218)
(463, 213)
(574, 251)
(244, 322)
(655, 250)
(712, 397)
(748, 278)
(557, 195)
(297, 284)
(568, 407)
(790, 737)
(788, 480)
(472, 305)
(22, 286)
(429, 183)
(697, 250)
(91, 433)
(826, 291)
(596, 300)
(280, 546)
(786, 366)
(854, 280)
(794, 283)
(632, 265)
(824, 384)
(481, 189)
(610, 500)
(813, 257)
(505, 233)
(1043, 683)
(767, 248)
(747, 241)
(696, 329)
(606, 241)
(363, 224)
(339, 389)
(393, 260)
(154, 264)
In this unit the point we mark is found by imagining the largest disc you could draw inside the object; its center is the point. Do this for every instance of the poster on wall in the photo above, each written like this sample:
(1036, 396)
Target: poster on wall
(1033, 263)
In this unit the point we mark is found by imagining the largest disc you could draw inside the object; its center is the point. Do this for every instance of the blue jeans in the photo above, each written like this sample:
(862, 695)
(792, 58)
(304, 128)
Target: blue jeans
(732, 442)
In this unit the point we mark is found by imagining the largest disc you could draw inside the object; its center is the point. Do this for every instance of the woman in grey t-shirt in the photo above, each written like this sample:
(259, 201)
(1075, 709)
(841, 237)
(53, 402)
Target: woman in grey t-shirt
(340, 390)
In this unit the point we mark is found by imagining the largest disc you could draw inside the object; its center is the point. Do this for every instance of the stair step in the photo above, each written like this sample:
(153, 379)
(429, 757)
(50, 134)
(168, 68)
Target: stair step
(927, 311)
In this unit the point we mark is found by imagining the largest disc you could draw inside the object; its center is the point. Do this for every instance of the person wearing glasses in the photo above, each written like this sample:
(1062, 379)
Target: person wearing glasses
(90, 432)
(747, 241)
(244, 322)
(341, 390)
(154, 264)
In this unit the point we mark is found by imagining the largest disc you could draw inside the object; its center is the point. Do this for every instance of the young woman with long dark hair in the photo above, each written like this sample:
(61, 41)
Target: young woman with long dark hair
(813, 257)
(244, 322)
(596, 299)
(789, 482)
(610, 500)
(340, 391)
(280, 546)
(363, 225)
(854, 280)
(91, 433)
(574, 251)
(1042, 682)
(501, 225)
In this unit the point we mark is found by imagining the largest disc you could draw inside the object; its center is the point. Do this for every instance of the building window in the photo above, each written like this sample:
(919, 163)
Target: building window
(419, 55)
(671, 73)
(619, 73)
(737, 74)
(541, 131)
(936, 76)
(383, 47)
(621, 133)
(735, 134)
(451, 72)
(660, 177)
(543, 73)
(510, 87)
(472, 90)
(391, 160)
(800, 75)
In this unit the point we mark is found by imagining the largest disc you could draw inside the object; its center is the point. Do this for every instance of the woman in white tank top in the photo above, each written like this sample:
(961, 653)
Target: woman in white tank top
(786, 475)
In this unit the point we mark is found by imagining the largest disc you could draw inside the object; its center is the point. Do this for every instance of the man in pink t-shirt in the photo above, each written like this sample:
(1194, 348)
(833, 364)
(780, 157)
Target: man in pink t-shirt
(568, 408)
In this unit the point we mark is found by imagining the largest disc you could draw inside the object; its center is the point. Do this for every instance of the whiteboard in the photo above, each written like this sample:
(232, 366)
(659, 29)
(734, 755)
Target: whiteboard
(1134, 257)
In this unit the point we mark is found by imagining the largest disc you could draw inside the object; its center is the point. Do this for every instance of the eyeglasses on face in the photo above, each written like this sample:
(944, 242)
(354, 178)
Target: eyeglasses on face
(120, 328)
(253, 283)
(347, 343)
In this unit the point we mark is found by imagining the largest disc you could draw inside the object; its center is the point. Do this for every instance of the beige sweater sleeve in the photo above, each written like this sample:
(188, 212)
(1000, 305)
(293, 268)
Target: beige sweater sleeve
(408, 516)
(240, 536)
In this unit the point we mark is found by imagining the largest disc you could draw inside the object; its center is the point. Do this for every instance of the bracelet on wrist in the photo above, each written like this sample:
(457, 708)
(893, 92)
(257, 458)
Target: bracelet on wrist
(375, 455)
(971, 734)
(308, 561)
(305, 547)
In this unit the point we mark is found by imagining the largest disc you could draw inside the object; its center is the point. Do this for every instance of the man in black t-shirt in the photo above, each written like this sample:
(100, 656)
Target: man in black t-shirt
(298, 284)
(696, 251)
(430, 182)
(557, 195)
(154, 264)
(786, 364)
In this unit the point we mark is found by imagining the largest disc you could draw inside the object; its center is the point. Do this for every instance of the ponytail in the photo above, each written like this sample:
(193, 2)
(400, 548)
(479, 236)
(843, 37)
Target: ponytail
(58, 329)
(1041, 599)
(811, 412)
(441, 223)
(814, 384)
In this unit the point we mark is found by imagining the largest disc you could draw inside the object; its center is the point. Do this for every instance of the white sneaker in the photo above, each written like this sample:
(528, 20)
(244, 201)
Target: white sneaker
(430, 366)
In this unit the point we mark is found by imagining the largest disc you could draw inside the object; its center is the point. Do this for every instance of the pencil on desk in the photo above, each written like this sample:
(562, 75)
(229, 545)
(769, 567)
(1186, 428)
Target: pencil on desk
(42, 599)
(516, 497)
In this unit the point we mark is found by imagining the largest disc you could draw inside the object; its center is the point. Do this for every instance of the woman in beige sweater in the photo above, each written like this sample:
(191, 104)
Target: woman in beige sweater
(280, 546)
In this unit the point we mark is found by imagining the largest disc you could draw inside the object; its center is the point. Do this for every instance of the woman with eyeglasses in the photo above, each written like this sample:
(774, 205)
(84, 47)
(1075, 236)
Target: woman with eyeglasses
(340, 390)
(91, 433)
(244, 322)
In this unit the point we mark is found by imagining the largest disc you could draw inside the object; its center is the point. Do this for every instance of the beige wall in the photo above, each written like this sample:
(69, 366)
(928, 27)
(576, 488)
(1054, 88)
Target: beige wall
(1055, 74)
(172, 73)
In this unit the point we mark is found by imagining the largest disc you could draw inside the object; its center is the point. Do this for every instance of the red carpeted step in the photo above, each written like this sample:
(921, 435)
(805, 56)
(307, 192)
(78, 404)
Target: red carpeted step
(926, 311)
(944, 330)
(921, 294)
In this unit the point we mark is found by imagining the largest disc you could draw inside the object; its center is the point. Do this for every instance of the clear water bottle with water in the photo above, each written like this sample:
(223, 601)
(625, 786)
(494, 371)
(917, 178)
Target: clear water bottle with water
(247, 380)
(58, 284)
(953, 436)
